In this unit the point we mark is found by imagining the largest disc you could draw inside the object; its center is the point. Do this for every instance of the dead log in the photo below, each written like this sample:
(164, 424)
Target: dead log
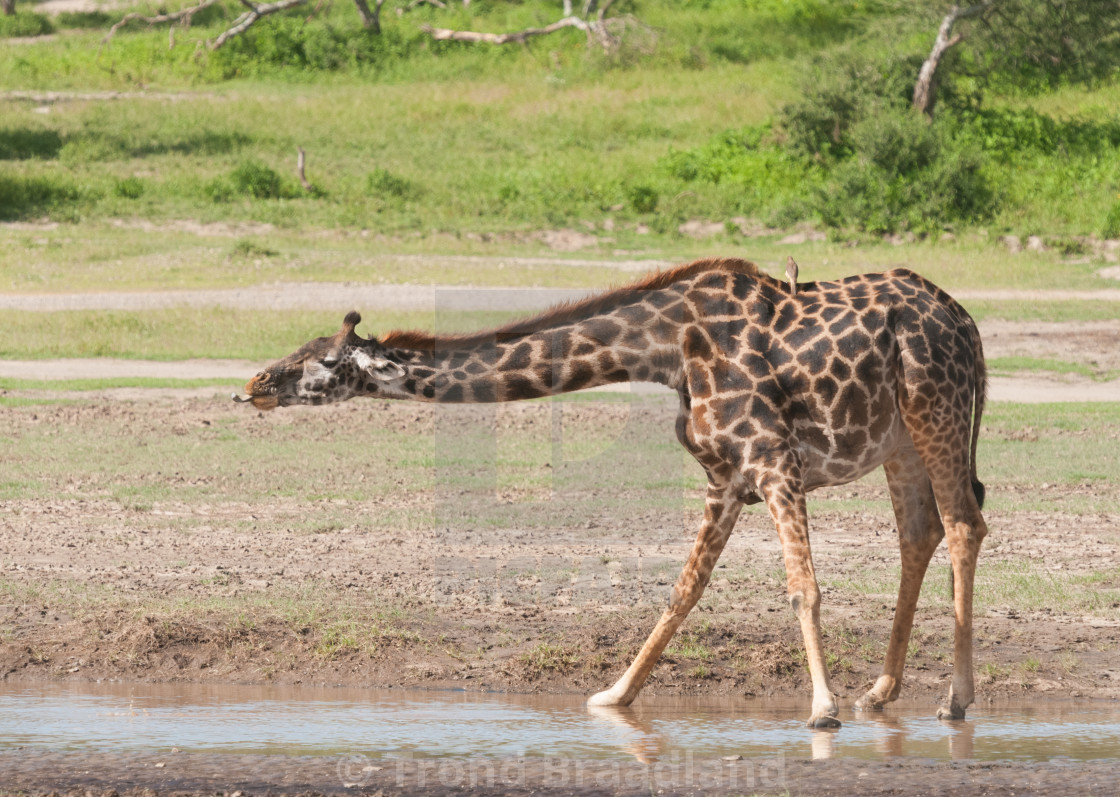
(923, 89)
(446, 34)
(250, 17)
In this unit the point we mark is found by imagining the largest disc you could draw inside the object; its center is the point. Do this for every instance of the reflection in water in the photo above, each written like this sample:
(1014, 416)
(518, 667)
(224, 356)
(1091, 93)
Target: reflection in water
(962, 734)
(644, 743)
(395, 724)
(891, 734)
(824, 742)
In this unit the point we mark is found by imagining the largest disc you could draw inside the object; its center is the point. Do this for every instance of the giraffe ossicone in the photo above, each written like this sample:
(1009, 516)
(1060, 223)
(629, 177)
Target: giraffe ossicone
(784, 387)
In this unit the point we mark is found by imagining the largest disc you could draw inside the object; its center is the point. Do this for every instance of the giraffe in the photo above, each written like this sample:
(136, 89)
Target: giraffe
(784, 388)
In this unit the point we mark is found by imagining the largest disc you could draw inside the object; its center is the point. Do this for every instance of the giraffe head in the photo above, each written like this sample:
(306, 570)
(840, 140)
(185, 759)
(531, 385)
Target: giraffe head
(326, 371)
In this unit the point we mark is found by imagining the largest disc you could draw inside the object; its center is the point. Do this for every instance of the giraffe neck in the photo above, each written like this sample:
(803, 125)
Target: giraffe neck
(630, 342)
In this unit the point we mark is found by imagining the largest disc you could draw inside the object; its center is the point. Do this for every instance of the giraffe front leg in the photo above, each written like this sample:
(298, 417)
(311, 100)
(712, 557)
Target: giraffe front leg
(786, 502)
(720, 513)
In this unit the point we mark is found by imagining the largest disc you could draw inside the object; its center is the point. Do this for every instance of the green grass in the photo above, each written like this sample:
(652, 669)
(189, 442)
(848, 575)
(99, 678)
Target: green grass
(1026, 584)
(181, 333)
(105, 256)
(1011, 365)
(1043, 310)
(81, 385)
(406, 137)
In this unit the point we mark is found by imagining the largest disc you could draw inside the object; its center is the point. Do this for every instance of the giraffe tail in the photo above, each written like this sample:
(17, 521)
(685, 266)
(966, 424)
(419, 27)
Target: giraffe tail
(979, 397)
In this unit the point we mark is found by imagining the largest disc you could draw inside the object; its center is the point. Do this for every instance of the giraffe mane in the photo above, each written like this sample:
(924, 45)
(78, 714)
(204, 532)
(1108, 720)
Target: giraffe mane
(564, 312)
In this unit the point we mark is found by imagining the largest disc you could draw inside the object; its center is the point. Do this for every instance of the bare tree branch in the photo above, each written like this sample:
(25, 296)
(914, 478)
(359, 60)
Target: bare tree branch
(255, 12)
(923, 89)
(183, 15)
(446, 34)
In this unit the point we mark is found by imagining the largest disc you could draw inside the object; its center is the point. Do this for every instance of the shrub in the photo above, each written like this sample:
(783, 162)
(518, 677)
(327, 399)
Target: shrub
(906, 174)
(642, 198)
(846, 89)
(83, 19)
(384, 184)
(257, 180)
(1111, 227)
(24, 23)
(250, 178)
(129, 188)
(248, 248)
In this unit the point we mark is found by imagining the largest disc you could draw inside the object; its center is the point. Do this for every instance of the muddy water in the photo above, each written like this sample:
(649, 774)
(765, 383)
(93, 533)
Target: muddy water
(419, 724)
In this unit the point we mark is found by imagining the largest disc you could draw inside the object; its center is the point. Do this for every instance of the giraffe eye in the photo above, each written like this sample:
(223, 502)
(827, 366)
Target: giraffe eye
(330, 361)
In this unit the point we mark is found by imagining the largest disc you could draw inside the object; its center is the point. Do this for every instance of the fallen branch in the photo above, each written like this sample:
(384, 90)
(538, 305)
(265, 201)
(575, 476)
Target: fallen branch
(923, 89)
(183, 16)
(246, 20)
(446, 34)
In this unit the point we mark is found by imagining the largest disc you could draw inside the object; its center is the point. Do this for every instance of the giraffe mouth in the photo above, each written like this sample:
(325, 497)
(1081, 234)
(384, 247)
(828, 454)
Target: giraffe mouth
(267, 402)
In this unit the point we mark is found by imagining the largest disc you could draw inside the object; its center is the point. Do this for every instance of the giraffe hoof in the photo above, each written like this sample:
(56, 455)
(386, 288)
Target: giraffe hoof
(952, 712)
(870, 702)
(606, 699)
(824, 721)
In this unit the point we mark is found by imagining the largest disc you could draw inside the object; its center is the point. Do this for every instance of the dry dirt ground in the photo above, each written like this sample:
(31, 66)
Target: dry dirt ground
(543, 589)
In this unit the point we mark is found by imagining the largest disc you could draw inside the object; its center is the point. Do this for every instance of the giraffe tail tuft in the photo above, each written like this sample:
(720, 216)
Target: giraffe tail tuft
(978, 491)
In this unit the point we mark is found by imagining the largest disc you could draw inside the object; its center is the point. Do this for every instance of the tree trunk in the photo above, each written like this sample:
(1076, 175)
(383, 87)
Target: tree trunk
(8, 7)
(371, 20)
(924, 94)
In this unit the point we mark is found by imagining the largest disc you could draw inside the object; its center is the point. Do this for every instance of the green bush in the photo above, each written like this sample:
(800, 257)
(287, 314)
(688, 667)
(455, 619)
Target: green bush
(643, 198)
(83, 19)
(291, 42)
(1111, 227)
(257, 180)
(905, 174)
(24, 23)
(384, 184)
(250, 178)
(1007, 132)
(129, 188)
(845, 89)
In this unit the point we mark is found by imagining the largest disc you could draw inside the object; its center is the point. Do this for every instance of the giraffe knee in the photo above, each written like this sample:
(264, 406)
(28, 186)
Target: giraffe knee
(795, 602)
(676, 602)
(804, 601)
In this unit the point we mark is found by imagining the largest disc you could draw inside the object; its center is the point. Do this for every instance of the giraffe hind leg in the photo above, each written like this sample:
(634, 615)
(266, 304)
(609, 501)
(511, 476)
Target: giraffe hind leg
(941, 434)
(919, 533)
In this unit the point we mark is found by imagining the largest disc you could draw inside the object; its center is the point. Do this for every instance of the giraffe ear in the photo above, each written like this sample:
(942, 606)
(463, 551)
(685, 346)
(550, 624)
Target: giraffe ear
(377, 366)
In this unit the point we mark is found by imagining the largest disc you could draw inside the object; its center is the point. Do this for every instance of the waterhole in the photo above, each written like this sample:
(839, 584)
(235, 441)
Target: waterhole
(304, 721)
